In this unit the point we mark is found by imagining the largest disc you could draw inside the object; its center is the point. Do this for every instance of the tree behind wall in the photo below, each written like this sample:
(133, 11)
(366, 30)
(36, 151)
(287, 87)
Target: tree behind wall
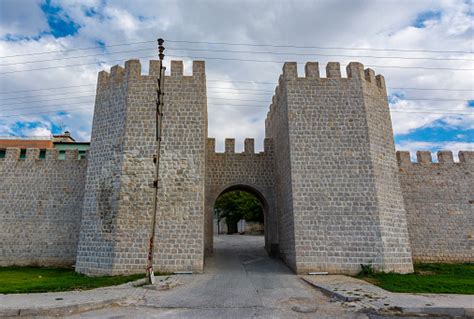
(237, 205)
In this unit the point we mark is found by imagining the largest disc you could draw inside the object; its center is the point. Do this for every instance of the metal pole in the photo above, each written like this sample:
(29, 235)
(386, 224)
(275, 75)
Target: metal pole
(156, 159)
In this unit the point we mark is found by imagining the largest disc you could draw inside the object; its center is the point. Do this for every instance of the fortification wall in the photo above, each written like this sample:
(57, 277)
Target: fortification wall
(439, 199)
(118, 203)
(276, 128)
(335, 161)
(40, 207)
(241, 171)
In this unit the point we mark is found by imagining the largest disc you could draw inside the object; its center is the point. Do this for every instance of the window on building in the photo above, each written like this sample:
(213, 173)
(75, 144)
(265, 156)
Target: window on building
(62, 155)
(42, 154)
(3, 153)
(82, 154)
(23, 153)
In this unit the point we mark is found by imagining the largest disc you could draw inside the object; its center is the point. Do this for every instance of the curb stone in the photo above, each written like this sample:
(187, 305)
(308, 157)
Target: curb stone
(331, 293)
(462, 312)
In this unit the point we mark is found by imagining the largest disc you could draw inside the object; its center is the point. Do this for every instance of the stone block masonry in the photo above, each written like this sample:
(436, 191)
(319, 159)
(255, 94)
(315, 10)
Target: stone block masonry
(334, 195)
(40, 207)
(340, 203)
(439, 199)
(247, 171)
(118, 206)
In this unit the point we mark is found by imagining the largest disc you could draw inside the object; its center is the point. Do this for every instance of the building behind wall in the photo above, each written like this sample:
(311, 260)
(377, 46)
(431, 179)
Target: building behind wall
(335, 193)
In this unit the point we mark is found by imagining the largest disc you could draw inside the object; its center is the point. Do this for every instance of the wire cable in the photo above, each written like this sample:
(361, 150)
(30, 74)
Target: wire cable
(318, 47)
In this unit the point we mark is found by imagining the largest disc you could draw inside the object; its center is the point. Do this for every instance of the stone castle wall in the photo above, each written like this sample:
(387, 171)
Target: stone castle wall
(340, 174)
(248, 171)
(439, 199)
(118, 205)
(40, 207)
(333, 193)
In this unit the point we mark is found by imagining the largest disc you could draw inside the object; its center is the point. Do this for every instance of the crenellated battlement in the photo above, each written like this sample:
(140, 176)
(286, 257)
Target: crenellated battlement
(249, 146)
(443, 157)
(133, 72)
(354, 71)
(13, 154)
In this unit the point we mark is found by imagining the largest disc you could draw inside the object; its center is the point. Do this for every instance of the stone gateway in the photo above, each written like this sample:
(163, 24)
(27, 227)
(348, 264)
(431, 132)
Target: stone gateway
(335, 193)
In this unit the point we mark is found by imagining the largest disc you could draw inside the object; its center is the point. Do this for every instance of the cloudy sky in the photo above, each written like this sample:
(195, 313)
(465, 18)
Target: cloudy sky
(51, 51)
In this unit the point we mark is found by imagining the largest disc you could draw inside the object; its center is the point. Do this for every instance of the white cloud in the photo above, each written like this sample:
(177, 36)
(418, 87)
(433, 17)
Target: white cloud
(374, 24)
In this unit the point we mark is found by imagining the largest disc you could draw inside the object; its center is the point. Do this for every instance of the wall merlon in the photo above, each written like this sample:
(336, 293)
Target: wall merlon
(333, 70)
(445, 157)
(249, 146)
(267, 145)
(211, 145)
(32, 154)
(12, 153)
(199, 68)
(230, 145)
(103, 78)
(466, 157)
(72, 155)
(380, 81)
(133, 69)
(52, 154)
(290, 71)
(424, 157)
(354, 70)
(154, 68)
(370, 75)
(311, 70)
(403, 157)
(116, 73)
(176, 68)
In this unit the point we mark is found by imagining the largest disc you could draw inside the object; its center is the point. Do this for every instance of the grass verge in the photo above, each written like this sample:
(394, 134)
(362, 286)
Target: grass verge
(428, 278)
(16, 279)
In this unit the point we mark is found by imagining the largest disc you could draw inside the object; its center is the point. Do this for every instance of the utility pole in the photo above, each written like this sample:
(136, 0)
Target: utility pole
(156, 159)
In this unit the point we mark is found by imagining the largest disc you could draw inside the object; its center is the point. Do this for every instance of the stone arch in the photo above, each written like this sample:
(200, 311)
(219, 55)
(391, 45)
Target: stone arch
(245, 171)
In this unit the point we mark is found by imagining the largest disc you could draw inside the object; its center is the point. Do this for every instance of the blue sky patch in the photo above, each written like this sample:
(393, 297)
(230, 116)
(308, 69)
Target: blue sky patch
(425, 16)
(470, 103)
(60, 23)
(436, 132)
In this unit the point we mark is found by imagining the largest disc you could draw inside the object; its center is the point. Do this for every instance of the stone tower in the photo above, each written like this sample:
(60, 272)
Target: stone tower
(117, 211)
(338, 197)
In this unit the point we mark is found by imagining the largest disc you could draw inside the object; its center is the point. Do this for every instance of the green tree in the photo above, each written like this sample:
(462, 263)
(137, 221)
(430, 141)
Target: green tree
(237, 205)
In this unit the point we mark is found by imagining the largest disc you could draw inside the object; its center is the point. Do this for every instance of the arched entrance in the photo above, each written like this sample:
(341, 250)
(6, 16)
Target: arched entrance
(247, 171)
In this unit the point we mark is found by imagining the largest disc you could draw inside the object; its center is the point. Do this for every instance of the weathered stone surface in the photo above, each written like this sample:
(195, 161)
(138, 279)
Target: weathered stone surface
(40, 207)
(439, 199)
(241, 171)
(333, 194)
(339, 201)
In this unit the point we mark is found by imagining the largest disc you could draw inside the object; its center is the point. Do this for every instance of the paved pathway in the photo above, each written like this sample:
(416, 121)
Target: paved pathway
(240, 281)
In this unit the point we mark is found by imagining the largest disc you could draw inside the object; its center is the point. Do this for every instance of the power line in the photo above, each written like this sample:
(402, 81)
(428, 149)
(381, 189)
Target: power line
(72, 65)
(237, 105)
(77, 49)
(47, 112)
(229, 59)
(319, 54)
(243, 44)
(281, 62)
(318, 47)
(40, 101)
(44, 95)
(227, 81)
(54, 88)
(46, 106)
(240, 52)
(77, 57)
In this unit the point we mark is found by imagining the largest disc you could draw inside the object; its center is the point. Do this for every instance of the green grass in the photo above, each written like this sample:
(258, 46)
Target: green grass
(37, 279)
(428, 278)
